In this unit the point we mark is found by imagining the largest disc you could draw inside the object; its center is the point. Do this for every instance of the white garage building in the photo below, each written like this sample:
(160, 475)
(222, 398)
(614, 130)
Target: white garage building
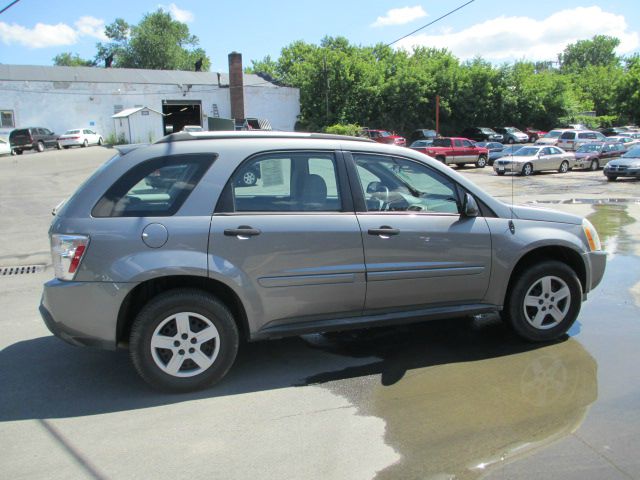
(60, 98)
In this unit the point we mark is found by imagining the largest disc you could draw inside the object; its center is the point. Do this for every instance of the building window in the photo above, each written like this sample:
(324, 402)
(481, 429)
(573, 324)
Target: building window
(6, 119)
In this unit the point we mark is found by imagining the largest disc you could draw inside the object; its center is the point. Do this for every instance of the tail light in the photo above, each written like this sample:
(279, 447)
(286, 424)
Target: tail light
(67, 252)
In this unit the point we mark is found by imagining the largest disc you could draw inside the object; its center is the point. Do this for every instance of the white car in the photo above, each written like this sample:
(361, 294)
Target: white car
(527, 160)
(628, 142)
(552, 137)
(5, 148)
(79, 137)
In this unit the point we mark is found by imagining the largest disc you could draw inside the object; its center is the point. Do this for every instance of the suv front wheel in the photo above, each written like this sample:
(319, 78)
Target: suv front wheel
(544, 301)
(183, 340)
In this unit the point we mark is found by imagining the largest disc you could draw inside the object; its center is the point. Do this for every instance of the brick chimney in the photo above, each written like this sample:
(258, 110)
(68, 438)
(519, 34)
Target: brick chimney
(236, 89)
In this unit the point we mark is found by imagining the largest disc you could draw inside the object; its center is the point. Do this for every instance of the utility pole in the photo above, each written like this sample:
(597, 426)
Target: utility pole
(438, 114)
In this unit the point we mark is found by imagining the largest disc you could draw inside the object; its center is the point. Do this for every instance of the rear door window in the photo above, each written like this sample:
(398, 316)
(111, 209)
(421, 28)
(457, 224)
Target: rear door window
(156, 188)
(568, 135)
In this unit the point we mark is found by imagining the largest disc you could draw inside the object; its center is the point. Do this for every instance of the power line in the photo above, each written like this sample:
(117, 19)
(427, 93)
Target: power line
(9, 6)
(430, 23)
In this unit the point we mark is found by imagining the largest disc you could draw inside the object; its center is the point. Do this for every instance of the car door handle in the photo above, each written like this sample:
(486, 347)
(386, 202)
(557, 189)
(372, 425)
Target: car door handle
(242, 231)
(384, 230)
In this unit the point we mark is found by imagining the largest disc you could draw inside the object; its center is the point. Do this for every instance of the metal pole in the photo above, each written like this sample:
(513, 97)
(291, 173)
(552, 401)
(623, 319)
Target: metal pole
(438, 114)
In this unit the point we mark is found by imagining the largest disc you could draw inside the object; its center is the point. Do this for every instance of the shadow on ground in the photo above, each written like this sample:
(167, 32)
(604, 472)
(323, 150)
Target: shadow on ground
(46, 378)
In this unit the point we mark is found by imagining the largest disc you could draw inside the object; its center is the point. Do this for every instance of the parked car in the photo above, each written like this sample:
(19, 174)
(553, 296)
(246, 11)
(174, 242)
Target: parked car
(551, 138)
(423, 134)
(481, 134)
(613, 131)
(180, 285)
(628, 165)
(573, 139)
(79, 137)
(512, 135)
(597, 154)
(631, 134)
(5, 148)
(458, 151)
(421, 145)
(32, 138)
(495, 150)
(534, 134)
(628, 142)
(508, 151)
(528, 160)
(383, 136)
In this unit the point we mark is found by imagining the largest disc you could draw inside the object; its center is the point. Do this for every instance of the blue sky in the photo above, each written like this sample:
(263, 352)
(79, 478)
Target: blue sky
(32, 32)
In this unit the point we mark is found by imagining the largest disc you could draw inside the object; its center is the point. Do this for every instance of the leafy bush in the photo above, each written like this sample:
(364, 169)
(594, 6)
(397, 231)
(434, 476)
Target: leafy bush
(111, 139)
(344, 129)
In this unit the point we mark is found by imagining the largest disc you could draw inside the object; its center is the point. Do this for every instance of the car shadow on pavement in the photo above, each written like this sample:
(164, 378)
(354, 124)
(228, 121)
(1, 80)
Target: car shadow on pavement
(46, 378)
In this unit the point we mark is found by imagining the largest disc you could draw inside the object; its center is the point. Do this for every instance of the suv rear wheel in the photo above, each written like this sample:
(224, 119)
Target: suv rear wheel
(544, 301)
(183, 340)
(482, 161)
(40, 147)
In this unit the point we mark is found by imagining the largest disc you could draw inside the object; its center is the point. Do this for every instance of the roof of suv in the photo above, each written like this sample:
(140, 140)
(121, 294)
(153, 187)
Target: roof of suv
(186, 136)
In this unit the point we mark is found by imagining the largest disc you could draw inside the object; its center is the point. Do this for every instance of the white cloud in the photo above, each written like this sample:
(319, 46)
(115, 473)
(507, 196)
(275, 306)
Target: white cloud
(91, 27)
(400, 16)
(43, 35)
(177, 13)
(510, 38)
(40, 36)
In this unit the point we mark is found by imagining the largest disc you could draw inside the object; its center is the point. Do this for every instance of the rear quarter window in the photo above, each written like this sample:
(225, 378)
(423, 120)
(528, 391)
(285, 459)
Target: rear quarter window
(157, 187)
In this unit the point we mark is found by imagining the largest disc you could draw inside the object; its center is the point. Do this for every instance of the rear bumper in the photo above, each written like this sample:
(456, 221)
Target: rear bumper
(83, 313)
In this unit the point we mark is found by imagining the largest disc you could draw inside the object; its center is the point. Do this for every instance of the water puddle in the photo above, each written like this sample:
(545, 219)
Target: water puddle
(458, 400)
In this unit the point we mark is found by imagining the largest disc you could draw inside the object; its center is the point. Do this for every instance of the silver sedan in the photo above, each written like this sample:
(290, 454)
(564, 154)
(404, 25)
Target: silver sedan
(527, 160)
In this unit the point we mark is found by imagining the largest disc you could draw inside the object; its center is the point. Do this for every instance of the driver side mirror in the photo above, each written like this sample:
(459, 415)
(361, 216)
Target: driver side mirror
(470, 206)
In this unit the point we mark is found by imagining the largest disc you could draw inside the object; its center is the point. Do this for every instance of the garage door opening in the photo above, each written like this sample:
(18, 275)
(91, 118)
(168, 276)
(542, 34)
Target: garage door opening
(178, 113)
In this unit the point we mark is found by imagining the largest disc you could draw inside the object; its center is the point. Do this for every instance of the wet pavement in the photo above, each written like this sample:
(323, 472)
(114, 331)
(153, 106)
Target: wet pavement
(461, 398)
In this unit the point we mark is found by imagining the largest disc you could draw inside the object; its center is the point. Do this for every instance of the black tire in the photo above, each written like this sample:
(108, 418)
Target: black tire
(58, 146)
(158, 311)
(66, 147)
(611, 178)
(17, 151)
(85, 144)
(40, 147)
(441, 159)
(482, 162)
(510, 141)
(100, 141)
(527, 169)
(564, 167)
(530, 281)
(500, 173)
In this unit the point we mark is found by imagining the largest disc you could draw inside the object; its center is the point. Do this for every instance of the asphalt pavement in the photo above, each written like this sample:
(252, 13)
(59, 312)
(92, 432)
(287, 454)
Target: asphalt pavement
(461, 398)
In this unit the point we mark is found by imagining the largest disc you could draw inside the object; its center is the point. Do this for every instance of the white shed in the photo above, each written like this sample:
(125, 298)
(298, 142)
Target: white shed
(139, 125)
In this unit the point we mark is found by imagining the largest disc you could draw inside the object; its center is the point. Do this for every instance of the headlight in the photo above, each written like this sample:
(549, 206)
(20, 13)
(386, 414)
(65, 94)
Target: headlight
(592, 235)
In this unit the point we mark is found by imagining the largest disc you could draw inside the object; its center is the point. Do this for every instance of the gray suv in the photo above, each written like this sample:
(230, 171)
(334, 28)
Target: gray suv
(337, 233)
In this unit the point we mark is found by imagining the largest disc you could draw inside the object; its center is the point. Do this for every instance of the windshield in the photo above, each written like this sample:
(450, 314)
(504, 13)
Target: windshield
(553, 134)
(633, 153)
(487, 130)
(589, 147)
(526, 152)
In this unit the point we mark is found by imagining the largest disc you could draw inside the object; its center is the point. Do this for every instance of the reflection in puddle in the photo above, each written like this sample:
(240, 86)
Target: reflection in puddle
(457, 400)
(610, 221)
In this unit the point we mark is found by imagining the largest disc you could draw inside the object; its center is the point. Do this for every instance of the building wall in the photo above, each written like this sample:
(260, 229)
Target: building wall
(64, 105)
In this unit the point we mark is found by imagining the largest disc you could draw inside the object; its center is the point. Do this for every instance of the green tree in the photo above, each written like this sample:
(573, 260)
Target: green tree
(157, 42)
(598, 51)
(68, 59)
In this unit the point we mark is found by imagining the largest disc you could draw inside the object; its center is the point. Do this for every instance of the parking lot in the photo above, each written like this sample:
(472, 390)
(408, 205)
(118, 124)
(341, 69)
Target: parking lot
(449, 399)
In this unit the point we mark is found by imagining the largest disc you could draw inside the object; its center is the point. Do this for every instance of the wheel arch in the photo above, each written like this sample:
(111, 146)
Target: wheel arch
(145, 291)
(562, 254)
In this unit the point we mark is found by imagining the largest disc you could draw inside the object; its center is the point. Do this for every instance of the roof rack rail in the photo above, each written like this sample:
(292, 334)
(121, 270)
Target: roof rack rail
(216, 135)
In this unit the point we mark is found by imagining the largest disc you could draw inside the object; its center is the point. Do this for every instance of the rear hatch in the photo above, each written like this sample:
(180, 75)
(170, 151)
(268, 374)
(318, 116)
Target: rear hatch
(20, 137)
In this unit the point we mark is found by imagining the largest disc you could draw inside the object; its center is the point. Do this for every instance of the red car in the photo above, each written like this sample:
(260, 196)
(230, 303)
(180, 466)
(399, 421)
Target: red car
(534, 133)
(457, 150)
(383, 136)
